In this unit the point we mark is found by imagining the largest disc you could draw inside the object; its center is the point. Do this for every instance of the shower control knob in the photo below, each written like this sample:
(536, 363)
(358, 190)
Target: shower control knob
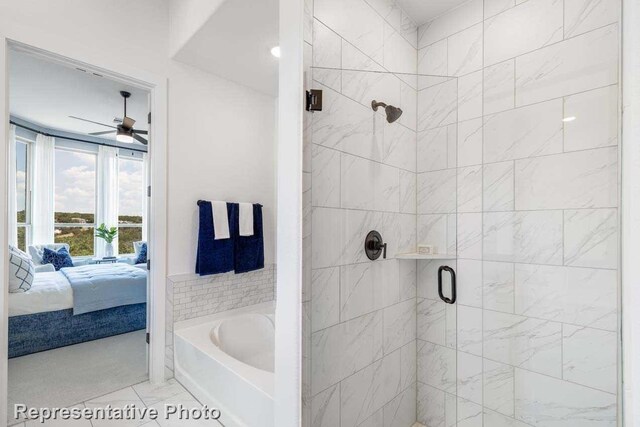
(374, 246)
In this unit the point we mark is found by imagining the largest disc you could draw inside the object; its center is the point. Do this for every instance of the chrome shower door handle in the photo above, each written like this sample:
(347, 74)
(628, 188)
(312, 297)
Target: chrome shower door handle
(448, 269)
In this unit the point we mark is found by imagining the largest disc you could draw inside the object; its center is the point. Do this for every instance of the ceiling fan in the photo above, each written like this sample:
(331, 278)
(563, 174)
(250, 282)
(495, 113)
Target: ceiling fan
(124, 131)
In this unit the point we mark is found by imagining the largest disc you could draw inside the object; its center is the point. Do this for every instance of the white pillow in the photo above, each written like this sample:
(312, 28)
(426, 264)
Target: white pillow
(21, 270)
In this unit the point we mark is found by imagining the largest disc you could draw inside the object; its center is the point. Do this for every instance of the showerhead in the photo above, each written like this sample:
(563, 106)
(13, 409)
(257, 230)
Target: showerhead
(393, 113)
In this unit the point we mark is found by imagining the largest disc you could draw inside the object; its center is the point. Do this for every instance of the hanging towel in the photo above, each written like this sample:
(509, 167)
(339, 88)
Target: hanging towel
(220, 220)
(214, 256)
(246, 219)
(249, 250)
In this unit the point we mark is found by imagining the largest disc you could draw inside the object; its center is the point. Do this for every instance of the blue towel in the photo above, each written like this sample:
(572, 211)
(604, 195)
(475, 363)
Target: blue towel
(215, 256)
(249, 250)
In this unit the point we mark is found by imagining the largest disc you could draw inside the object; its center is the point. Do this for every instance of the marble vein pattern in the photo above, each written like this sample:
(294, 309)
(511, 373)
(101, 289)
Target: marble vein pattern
(465, 51)
(470, 96)
(437, 366)
(339, 15)
(549, 402)
(498, 187)
(498, 387)
(596, 119)
(432, 59)
(521, 29)
(498, 280)
(586, 15)
(575, 65)
(591, 238)
(579, 296)
(470, 142)
(526, 236)
(435, 190)
(450, 23)
(493, 7)
(437, 105)
(584, 179)
(582, 365)
(344, 349)
(499, 87)
(469, 380)
(524, 342)
(530, 131)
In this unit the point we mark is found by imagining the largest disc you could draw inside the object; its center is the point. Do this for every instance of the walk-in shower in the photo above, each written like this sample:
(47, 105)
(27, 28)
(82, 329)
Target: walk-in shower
(513, 321)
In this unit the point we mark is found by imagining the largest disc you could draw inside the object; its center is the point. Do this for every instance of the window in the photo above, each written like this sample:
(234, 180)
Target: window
(75, 200)
(130, 202)
(23, 202)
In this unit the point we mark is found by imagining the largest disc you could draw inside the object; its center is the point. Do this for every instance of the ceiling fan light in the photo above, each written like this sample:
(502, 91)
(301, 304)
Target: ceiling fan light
(124, 138)
(124, 135)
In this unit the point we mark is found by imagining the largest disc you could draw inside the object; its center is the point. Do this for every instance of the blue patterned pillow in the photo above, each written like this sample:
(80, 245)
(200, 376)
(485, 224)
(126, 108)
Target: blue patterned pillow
(21, 270)
(59, 258)
(142, 256)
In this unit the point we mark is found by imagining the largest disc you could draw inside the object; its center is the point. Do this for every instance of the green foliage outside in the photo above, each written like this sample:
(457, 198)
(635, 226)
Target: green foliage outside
(81, 238)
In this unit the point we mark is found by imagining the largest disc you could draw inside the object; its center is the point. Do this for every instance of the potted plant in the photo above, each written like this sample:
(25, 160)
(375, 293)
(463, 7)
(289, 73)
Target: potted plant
(108, 234)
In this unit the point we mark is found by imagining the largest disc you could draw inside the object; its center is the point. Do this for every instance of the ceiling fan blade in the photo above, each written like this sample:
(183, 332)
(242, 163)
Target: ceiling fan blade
(140, 139)
(141, 132)
(128, 122)
(101, 133)
(91, 121)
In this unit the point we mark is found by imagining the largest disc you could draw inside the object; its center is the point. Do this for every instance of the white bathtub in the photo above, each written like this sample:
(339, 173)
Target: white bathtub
(226, 361)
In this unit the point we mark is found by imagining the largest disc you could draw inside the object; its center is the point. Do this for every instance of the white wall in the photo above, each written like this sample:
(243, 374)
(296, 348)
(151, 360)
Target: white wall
(226, 123)
(187, 16)
(221, 147)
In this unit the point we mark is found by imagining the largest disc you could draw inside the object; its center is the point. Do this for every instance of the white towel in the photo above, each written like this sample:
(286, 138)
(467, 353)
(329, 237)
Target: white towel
(220, 220)
(246, 219)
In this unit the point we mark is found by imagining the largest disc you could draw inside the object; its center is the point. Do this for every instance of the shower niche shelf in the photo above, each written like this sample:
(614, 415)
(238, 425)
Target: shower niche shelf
(416, 255)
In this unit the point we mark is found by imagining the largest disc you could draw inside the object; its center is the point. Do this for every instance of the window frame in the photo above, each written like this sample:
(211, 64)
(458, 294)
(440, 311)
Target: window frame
(95, 202)
(122, 156)
(28, 202)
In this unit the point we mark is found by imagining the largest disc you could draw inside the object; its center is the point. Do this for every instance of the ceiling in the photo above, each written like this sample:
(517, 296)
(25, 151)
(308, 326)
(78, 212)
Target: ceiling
(423, 11)
(235, 43)
(47, 93)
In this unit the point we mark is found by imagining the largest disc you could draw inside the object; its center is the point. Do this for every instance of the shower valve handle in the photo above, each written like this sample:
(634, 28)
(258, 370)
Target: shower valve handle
(374, 246)
(382, 246)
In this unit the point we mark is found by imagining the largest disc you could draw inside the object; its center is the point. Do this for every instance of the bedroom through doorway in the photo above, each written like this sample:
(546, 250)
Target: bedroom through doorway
(78, 222)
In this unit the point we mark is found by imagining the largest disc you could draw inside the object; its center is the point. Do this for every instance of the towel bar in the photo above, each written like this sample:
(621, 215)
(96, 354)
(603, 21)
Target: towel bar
(202, 201)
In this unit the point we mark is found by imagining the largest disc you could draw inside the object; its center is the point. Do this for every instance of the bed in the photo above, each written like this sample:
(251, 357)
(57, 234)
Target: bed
(75, 305)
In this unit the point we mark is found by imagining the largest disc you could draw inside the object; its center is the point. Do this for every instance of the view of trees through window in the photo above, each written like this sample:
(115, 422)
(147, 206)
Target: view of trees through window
(75, 200)
(76, 196)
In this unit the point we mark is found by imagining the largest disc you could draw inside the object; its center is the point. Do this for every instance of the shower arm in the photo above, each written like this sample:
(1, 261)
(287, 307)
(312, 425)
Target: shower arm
(375, 104)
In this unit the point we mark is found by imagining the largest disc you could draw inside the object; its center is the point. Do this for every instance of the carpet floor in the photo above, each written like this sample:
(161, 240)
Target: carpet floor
(69, 375)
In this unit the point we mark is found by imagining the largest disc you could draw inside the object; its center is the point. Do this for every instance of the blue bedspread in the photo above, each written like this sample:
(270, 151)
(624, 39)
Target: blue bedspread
(102, 286)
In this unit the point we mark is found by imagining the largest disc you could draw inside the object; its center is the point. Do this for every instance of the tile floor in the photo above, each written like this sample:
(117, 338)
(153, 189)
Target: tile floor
(142, 395)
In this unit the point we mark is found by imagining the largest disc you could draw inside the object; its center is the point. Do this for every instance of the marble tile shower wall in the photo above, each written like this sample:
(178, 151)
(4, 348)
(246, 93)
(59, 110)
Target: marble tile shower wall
(533, 159)
(359, 337)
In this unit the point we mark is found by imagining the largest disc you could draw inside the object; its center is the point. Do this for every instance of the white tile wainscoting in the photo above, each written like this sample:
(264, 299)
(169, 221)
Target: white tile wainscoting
(191, 296)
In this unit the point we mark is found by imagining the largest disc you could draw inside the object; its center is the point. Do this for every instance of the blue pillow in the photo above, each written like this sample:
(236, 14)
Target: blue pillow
(142, 256)
(59, 258)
